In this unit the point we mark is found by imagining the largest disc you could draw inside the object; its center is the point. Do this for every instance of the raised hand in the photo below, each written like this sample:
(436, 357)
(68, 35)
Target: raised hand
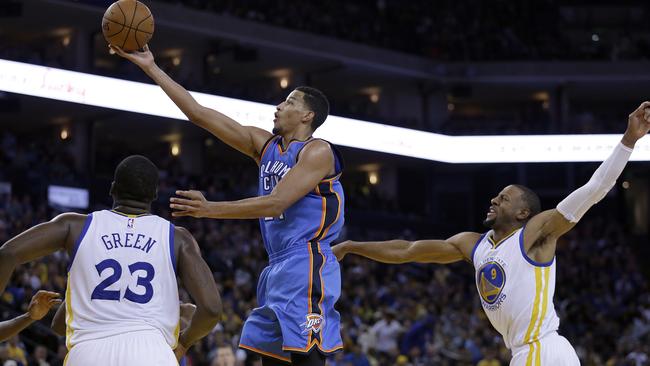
(143, 59)
(193, 204)
(638, 124)
(41, 304)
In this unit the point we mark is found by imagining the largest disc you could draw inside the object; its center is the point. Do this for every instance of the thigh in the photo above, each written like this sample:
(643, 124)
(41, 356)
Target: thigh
(305, 290)
(262, 334)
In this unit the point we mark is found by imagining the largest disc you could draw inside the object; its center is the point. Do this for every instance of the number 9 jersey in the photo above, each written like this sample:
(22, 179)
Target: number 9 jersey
(122, 279)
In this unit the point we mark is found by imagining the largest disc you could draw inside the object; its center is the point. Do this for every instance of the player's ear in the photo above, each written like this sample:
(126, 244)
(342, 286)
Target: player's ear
(111, 192)
(523, 214)
(308, 117)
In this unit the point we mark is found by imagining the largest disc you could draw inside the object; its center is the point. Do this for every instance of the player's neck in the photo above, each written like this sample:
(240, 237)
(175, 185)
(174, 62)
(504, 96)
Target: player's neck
(131, 207)
(298, 135)
(504, 230)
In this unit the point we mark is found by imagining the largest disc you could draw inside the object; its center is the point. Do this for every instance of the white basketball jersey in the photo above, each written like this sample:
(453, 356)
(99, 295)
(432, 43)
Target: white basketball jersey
(516, 292)
(122, 278)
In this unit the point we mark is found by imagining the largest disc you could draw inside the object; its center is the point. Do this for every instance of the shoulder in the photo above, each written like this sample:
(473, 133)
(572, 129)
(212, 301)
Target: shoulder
(316, 149)
(466, 238)
(70, 218)
(466, 243)
(182, 235)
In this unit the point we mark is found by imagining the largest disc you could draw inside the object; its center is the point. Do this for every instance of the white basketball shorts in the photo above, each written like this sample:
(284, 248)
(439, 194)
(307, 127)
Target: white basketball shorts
(143, 348)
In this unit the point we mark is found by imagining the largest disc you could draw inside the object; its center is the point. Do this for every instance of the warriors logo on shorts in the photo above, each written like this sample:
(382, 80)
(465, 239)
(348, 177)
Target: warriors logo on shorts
(491, 279)
(314, 323)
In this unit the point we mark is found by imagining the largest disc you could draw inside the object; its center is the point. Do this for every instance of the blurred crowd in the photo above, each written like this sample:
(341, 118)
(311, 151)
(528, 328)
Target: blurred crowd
(459, 30)
(412, 314)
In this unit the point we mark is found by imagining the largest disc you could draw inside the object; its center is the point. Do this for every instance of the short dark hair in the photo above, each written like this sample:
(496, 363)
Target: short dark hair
(136, 178)
(317, 102)
(530, 199)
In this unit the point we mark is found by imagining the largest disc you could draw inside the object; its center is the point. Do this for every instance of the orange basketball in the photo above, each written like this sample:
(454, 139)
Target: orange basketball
(128, 24)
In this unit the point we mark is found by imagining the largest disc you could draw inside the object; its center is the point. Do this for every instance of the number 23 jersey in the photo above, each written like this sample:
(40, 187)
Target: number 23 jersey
(122, 278)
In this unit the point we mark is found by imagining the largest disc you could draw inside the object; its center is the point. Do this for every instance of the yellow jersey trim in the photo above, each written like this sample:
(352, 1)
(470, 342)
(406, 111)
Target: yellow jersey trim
(496, 244)
(69, 331)
(129, 215)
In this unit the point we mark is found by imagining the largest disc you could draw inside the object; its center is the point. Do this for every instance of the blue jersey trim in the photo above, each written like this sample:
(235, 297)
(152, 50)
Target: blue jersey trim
(89, 219)
(526, 257)
(172, 253)
(476, 245)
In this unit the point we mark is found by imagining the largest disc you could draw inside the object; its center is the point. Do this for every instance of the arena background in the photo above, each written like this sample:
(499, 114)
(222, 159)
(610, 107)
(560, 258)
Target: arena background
(454, 68)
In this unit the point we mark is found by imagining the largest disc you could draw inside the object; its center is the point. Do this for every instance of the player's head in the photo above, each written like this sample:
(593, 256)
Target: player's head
(515, 204)
(305, 106)
(136, 179)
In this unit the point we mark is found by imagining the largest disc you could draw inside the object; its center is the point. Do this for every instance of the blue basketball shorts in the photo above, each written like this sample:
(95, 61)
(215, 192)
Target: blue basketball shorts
(296, 294)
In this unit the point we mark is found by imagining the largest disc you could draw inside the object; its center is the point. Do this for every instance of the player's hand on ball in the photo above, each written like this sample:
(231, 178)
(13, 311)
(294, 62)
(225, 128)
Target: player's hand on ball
(41, 304)
(638, 123)
(191, 203)
(142, 58)
(339, 250)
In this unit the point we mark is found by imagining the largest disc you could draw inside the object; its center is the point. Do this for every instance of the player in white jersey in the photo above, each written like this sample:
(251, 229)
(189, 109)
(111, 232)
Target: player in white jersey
(514, 262)
(122, 303)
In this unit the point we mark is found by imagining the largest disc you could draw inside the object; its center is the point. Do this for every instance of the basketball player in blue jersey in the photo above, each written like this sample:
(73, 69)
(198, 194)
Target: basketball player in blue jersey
(122, 298)
(514, 262)
(300, 209)
(38, 307)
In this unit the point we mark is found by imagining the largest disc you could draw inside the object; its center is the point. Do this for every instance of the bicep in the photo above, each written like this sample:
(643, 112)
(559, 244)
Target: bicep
(246, 139)
(549, 223)
(39, 241)
(433, 251)
(194, 272)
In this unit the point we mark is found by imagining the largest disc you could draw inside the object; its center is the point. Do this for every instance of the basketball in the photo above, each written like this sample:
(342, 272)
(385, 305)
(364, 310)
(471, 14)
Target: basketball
(128, 24)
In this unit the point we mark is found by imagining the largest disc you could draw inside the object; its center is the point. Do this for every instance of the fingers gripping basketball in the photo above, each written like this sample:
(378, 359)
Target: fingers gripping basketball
(128, 24)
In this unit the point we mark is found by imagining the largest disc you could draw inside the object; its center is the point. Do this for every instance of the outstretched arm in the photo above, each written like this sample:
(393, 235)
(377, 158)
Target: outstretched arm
(199, 283)
(39, 241)
(547, 226)
(246, 139)
(316, 161)
(454, 249)
(38, 308)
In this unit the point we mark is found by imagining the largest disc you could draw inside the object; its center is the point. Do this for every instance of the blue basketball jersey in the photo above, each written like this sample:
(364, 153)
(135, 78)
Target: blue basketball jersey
(317, 217)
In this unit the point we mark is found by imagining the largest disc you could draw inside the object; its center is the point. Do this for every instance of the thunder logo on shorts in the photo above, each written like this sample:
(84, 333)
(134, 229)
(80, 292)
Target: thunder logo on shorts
(491, 280)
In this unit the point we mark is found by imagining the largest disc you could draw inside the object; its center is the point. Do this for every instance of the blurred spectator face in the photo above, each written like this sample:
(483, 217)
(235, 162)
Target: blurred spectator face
(40, 353)
(225, 357)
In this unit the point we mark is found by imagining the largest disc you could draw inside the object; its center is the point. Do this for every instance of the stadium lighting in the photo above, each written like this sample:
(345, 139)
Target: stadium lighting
(76, 87)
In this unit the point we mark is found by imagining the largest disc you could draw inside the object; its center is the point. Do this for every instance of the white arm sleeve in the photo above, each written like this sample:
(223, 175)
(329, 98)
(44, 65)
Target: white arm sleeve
(577, 203)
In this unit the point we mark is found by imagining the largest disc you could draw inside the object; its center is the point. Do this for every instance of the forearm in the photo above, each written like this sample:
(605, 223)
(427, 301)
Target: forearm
(181, 97)
(392, 251)
(249, 208)
(12, 327)
(7, 265)
(577, 203)
(201, 325)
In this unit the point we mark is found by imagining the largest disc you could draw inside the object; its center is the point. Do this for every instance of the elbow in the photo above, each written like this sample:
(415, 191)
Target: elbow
(214, 309)
(275, 207)
(7, 259)
(194, 113)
